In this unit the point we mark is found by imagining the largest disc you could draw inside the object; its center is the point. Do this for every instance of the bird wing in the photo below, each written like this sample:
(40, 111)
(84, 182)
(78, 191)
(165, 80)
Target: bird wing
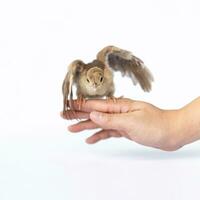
(128, 64)
(73, 70)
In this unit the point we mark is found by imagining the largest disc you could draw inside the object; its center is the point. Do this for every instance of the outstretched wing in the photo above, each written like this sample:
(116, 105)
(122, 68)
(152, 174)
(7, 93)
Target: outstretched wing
(73, 70)
(128, 64)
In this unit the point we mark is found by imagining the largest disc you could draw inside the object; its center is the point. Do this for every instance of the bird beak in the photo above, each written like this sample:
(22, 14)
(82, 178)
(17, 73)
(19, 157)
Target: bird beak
(95, 85)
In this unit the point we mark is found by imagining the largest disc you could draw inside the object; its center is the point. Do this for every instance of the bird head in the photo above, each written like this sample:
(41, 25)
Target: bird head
(95, 77)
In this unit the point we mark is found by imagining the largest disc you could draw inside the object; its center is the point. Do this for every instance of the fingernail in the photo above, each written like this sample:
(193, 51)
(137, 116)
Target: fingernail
(70, 128)
(88, 141)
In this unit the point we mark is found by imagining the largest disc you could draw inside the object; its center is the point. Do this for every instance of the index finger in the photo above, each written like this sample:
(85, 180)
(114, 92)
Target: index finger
(103, 105)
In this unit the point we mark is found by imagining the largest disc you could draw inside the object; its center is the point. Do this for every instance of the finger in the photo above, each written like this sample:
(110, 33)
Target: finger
(121, 105)
(83, 125)
(102, 135)
(70, 114)
(115, 121)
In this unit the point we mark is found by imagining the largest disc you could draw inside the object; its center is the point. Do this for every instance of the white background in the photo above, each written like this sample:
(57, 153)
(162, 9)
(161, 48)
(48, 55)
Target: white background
(39, 159)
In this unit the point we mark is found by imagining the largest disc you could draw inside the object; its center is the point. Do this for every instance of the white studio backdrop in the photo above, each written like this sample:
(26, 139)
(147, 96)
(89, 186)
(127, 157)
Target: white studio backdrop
(39, 159)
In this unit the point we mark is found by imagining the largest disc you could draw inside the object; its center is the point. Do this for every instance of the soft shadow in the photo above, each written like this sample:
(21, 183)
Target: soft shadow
(144, 154)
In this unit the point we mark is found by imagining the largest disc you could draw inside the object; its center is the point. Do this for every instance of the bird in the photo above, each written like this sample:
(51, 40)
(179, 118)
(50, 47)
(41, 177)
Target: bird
(95, 79)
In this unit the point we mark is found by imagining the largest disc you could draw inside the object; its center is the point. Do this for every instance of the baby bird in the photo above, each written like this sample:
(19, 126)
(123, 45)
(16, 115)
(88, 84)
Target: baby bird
(95, 79)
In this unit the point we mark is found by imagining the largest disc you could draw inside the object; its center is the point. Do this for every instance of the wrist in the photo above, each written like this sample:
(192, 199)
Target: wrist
(173, 130)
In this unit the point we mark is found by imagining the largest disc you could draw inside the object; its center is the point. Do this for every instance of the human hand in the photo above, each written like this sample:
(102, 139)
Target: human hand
(135, 120)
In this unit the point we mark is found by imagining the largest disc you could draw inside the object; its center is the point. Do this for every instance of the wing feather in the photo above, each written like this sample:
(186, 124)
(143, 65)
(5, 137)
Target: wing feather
(74, 68)
(128, 64)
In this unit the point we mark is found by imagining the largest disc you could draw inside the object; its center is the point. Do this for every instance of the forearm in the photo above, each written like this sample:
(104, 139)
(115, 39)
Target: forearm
(182, 126)
(191, 121)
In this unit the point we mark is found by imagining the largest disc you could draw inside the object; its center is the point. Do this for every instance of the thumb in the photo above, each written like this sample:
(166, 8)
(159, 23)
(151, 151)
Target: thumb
(107, 120)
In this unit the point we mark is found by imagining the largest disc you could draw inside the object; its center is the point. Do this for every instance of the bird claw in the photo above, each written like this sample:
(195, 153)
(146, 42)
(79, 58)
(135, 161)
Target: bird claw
(69, 112)
(80, 102)
(112, 98)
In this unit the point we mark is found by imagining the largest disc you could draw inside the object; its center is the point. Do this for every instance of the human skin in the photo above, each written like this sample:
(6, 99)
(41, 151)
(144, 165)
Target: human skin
(138, 121)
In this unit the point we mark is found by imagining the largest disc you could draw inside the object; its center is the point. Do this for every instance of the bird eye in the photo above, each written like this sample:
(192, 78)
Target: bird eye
(101, 79)
(88, 80)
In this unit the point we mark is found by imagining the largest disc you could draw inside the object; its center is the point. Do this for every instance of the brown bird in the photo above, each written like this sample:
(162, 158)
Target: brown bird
(95, 79)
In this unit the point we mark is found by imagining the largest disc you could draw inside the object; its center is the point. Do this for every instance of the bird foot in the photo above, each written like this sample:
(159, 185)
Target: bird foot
(69, 114)
(114, 99)
(69, 110)
(80, 101)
